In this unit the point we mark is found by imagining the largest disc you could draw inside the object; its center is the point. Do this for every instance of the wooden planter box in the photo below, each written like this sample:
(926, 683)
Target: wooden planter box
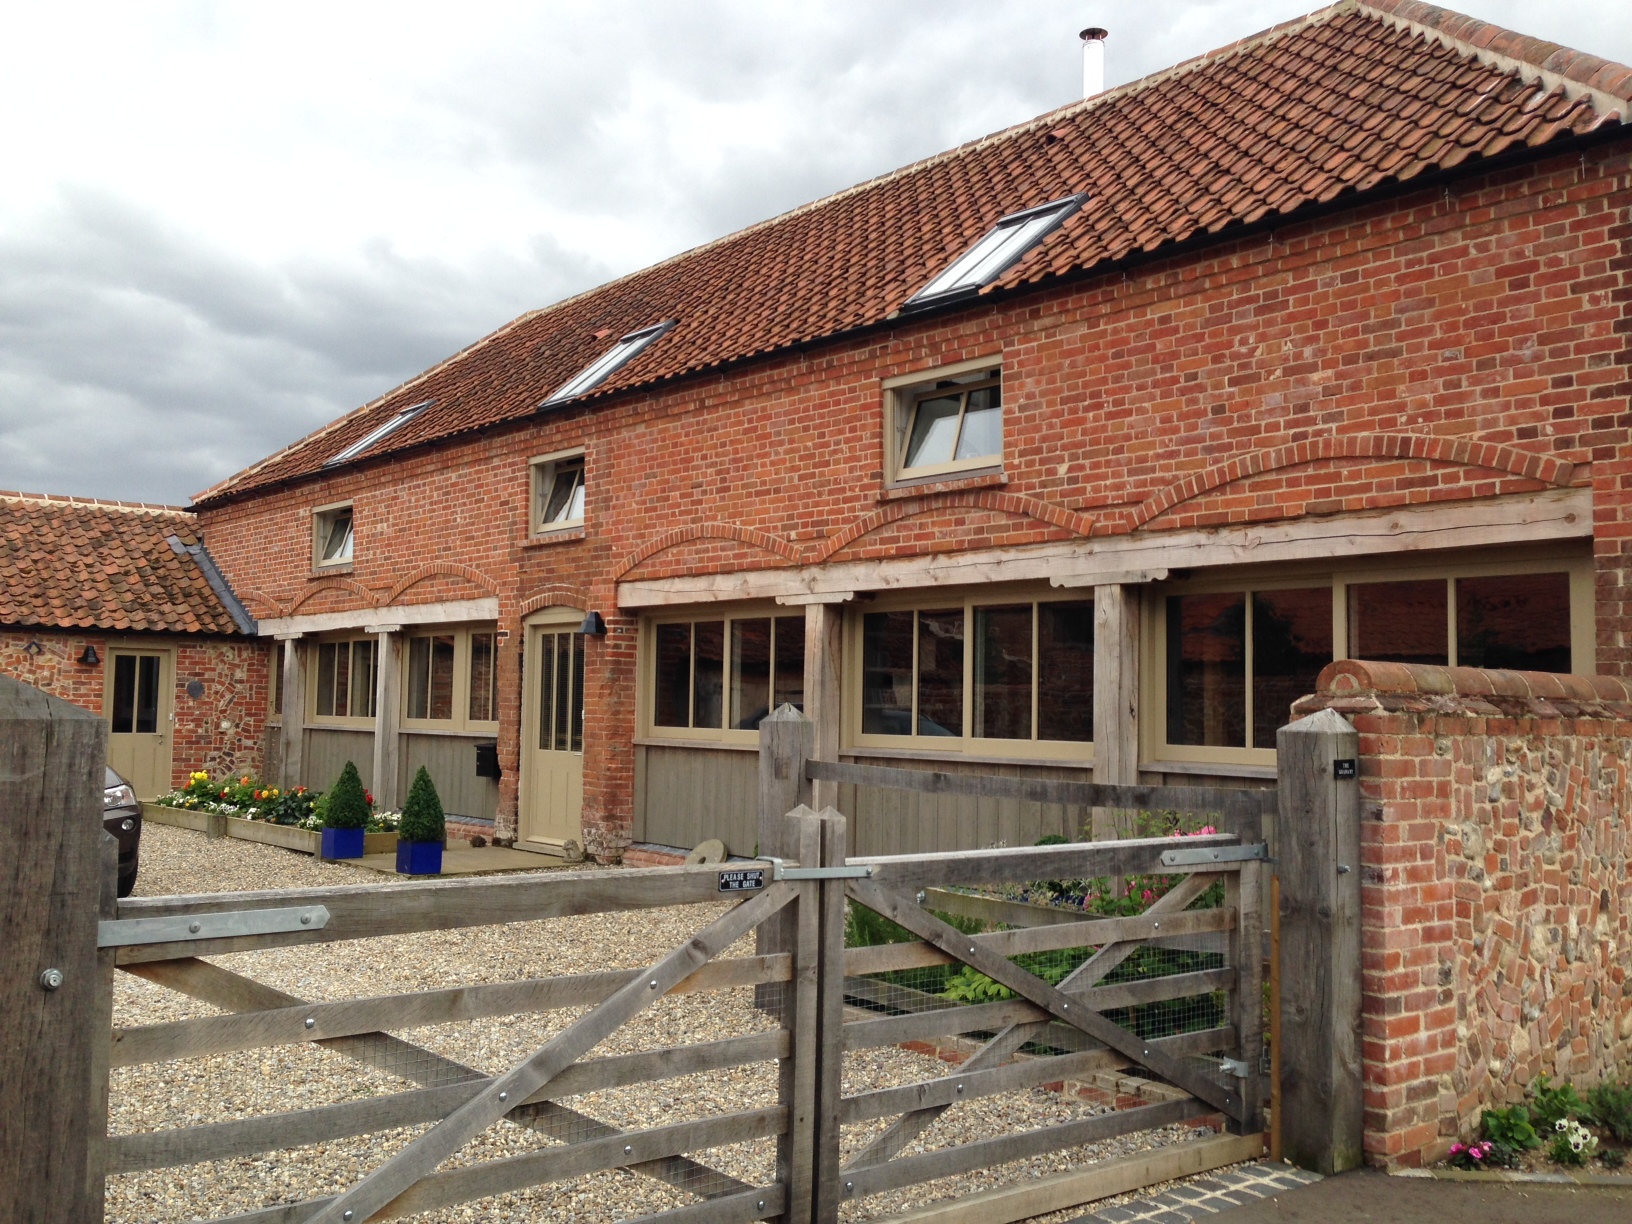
(304, 841)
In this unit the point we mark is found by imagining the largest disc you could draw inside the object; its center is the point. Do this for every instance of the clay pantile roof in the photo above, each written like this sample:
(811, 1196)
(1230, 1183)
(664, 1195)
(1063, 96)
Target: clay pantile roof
(76, 563)
(1345, 100)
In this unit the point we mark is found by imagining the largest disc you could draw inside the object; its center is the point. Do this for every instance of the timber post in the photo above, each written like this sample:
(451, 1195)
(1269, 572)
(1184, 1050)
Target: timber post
(1318, 848)
(830, 1050)
(51, 992)
(785, 741)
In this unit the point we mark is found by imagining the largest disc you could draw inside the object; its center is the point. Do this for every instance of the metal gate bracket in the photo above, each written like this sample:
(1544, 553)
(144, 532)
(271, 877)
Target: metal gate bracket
(129, 931)
(781, 871)
(1201, 856)
(1235, 1067)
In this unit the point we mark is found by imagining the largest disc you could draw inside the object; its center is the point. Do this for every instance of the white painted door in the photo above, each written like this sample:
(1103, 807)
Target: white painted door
(553, 738)
(136, 703)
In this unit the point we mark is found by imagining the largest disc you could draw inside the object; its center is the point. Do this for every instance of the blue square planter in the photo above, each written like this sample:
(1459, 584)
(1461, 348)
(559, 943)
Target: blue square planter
(419, 858)
(342, 843)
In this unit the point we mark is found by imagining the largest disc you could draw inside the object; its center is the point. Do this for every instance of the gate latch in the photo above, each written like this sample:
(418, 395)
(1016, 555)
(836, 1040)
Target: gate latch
(227, 925)
(781, 871)
(1201, 856)
(1235, 1067)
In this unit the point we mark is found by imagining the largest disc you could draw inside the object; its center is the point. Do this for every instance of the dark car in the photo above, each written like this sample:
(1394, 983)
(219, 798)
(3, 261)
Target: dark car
(122, 816)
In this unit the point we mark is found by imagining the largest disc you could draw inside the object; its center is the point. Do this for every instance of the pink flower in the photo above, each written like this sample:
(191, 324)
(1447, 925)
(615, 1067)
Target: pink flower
(1147, 896)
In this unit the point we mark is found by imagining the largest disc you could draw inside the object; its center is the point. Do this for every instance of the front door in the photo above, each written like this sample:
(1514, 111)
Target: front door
(552, 794)
(136, 702)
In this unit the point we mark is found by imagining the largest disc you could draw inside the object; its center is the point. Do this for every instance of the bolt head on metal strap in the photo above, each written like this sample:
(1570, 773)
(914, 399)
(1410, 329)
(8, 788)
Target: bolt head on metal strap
(1203, 856)
(228, 925)
(1235, 1067)
(781, 871)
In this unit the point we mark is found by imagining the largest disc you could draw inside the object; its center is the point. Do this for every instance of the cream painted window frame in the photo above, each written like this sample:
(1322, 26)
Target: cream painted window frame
(900, 396)
(322, 520)
(1155, 751)
(541, 471)
(703, 737)
(852, 739)
(461, 723)
(313, 651)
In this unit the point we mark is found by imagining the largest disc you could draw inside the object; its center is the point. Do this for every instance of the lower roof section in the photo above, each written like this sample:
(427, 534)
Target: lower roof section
(1553, 514)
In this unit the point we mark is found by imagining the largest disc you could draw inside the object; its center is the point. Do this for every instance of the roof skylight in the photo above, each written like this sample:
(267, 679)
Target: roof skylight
(367, 440)
(997, 251)
(608, 363)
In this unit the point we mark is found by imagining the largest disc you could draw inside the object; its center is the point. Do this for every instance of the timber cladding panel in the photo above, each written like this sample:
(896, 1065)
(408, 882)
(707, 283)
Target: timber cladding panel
(1496, 831)
(1491, 311)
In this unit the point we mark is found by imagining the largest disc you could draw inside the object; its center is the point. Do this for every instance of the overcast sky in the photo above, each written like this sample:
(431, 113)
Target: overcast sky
(222, 225)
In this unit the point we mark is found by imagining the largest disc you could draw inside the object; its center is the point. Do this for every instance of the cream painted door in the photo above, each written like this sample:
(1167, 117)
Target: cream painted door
(136, 703)
(553, 745)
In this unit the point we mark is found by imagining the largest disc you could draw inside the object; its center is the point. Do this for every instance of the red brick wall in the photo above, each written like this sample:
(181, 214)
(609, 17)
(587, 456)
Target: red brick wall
(1497, 900)
(221, 731)
(1459, 341)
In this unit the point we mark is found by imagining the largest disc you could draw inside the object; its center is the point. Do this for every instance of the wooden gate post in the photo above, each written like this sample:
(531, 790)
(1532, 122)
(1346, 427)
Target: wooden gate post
(1318, 853)
(830, 1047)
(786, 740)
(51, 760)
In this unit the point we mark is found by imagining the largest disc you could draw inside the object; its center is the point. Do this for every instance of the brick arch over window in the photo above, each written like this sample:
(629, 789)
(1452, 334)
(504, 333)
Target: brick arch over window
(1467, 451)
(326, 586)
(1005, 503)
(259, 604)
(554, 596)
(443, 569)
(709, 531)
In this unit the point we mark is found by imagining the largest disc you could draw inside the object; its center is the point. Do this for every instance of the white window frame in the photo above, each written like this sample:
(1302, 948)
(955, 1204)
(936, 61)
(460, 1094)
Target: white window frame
(966, 745)
(323, 518)
(902, 395)
(995, 252)
(460, 723)
(1156, 752)
(544, 469)
(609, 363)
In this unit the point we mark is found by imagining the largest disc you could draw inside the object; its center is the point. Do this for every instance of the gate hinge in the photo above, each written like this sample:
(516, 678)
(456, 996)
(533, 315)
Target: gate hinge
(128, 931)
(1200, 856)
(781, 871)
(1235, 1067)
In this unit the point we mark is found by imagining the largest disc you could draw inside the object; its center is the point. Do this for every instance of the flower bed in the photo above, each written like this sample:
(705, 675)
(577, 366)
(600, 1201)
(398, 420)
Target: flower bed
(1557, 1132)
(244, 808)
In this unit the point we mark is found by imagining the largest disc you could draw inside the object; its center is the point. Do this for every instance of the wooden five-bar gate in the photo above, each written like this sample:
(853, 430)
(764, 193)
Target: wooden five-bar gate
(1015, 993)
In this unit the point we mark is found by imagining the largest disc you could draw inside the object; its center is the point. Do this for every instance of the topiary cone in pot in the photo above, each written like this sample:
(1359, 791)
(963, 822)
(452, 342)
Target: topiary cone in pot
(422, 831)
(345, 816)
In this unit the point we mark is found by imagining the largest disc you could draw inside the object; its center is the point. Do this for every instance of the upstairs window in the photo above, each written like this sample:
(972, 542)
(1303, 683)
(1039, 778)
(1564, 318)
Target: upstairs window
(558, 492)
(945, 423)
(999, 249)
(367, 440)
(608, 363)
(332, 536)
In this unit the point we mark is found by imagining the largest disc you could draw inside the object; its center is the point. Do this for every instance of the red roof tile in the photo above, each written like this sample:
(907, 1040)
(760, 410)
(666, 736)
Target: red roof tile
(1342, 101)
(75, 563)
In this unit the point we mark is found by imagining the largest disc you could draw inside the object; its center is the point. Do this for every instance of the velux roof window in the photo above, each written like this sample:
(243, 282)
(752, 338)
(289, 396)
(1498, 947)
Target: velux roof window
(383, 431)
(997, 251)
(608, 363)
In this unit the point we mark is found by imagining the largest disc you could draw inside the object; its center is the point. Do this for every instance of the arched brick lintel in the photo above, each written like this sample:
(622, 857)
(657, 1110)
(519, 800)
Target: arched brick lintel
(709, 531)
(1467, 451)
(985, 499)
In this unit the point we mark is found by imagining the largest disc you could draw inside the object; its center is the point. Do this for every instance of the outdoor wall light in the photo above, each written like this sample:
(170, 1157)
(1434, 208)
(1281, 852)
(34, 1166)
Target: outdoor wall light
(89, 657)
(593, 625)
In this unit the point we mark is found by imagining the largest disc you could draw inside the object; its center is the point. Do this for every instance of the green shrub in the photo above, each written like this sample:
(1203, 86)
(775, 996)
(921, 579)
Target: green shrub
(1510, 1128)
(345, 804)
(422, 815)
(1550, 1105)
(1611, 1106)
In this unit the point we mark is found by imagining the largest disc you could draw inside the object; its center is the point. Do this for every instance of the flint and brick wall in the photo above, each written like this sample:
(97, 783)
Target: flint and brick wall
(1473, 339)
(1496, 827)
(221, 730)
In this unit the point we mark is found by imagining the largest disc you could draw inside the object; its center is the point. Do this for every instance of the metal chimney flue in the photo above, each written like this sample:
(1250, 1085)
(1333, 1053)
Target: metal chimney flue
(1093, 61)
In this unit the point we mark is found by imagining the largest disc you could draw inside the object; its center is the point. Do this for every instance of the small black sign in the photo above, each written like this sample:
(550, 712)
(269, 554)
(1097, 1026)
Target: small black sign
(749, 880)
(1345, 767)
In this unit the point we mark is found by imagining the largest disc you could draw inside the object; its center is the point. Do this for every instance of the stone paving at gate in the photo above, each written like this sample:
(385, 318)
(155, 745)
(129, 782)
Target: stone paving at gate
(1204, 1196)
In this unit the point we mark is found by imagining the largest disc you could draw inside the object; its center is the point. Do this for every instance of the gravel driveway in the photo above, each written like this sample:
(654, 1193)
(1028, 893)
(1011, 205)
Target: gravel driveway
(219, 1088)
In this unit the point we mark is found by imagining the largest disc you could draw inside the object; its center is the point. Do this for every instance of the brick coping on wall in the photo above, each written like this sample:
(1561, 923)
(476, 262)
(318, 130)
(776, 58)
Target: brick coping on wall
(1496, 923)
